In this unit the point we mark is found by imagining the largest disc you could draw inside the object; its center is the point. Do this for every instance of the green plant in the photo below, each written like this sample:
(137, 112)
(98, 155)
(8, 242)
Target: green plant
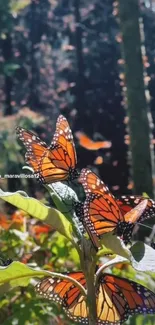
(73, 245)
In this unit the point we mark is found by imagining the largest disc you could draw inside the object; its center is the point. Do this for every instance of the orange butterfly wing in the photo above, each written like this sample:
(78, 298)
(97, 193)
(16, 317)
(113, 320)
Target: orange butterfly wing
(62, 154)
(66, 294)
(89, 144)
(64, 138)
(116, 298)
(119, 298)
(126, 203)
(34, 145)
(134, 214)
(56, 162)
(52, 166)
(101, 212)
(36, 149)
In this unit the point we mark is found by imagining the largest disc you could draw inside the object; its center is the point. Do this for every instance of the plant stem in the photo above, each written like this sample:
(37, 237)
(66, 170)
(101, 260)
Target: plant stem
(91, 296)
(88, 263)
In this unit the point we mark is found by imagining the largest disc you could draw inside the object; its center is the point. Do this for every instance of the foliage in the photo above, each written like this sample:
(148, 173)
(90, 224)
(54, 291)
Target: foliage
(12, 158)
(48, 63)
(62, 56)
(64, 61)
(29, 242)
(33, 244)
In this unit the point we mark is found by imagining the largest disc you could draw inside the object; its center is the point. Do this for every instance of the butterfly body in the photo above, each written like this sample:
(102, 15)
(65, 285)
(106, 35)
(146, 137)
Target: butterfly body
(124, 229)
(116, 298)
(78, 206)
(53, 163)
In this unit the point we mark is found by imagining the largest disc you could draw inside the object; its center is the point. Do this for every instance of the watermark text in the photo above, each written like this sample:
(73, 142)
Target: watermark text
(18, 176)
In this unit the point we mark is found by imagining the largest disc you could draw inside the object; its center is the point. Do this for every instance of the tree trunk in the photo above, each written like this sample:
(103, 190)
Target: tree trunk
(34, 96)
(80, 92)
(137, 104)
(7, 53)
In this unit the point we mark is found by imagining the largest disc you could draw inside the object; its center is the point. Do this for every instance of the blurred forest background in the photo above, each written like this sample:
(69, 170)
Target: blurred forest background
(65, 57)
(56, 57)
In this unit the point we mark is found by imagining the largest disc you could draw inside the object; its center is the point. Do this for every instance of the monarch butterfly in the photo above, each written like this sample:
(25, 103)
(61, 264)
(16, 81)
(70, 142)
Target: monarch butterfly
(89, 144)
(52, 163)
(126, 203)
(101, 213)
(116, 298)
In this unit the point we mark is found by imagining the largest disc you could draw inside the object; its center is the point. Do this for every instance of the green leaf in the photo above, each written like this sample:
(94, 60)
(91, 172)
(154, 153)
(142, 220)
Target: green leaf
(116, 245)
(63, 196)
(140, 255)
(143, 257)
(40, 211)
(17, 274)
(144, 194)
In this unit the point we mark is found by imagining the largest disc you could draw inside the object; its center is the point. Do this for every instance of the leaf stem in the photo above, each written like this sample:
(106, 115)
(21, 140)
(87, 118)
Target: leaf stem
(88, 263)
(91, 296)
(64, 276)
(116, 260)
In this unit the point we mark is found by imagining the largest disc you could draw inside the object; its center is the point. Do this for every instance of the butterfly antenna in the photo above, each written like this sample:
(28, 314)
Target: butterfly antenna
(141, 224)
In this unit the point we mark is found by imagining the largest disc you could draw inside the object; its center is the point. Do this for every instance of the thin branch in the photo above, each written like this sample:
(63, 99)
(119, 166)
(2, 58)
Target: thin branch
(68, 278)
(116, 260)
